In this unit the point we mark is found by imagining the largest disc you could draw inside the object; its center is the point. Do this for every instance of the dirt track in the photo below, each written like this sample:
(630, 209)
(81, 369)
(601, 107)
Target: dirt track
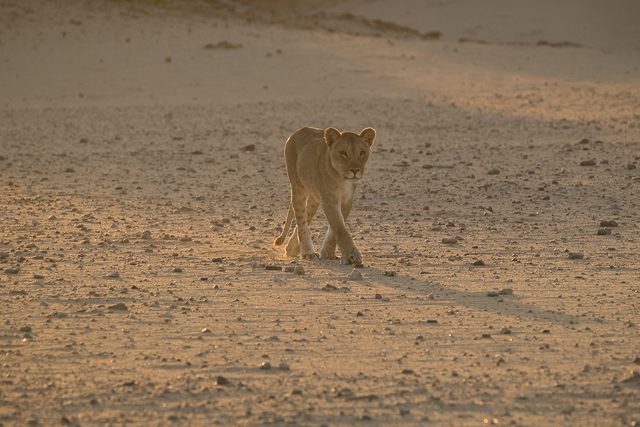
(139, 200)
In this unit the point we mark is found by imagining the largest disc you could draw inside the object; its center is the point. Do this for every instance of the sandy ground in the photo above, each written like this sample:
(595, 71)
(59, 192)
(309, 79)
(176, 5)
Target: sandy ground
(142, 182)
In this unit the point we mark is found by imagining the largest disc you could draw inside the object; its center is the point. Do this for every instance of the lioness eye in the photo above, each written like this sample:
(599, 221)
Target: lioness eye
(344, 153)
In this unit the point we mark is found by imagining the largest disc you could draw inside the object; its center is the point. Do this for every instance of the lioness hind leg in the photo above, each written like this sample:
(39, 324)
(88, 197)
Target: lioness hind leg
(285, 229)
(299, 202)
(293, 247)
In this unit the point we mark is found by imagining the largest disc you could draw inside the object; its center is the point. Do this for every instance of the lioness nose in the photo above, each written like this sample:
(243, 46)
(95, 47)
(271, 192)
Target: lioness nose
(355, 171)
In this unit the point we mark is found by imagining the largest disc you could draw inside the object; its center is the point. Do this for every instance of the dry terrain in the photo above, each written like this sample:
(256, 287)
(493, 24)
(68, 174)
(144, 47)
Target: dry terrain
(142, 182)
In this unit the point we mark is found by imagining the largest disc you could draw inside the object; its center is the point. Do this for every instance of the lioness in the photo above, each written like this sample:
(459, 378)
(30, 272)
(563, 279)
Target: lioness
(324, 168)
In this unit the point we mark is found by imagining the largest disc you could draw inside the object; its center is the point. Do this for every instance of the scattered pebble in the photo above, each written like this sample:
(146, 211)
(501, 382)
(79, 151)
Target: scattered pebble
(492, 294)
(478, 262)
(432, 321)
(408, 372)
(545, 331)
(389, 273)
(118, 307)
(505, 331)
(378, 296)
(249, 147)
(505, 291)
(575, 255)
(608, 223)
(146, 235)
(355, 275)
(634, 378)
(12, 270)
(177, 270)
(449, 240)
(486, 335)
(493, 171)
(218, 259)
(283, 366)
(113, 275)
(206, 331)
(273, 267)
(590, 162)
(265, 366)
(604, 232)
(222, 381)
(359, 314)
(26, 328)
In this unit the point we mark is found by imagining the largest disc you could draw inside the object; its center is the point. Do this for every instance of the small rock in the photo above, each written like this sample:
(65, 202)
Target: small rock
(249, 147)
(575, 255)
(545, 331)
(355, 275)
(631, 166)
(432, 321)
(478, 262)
(12, 270)
(113, 275)
(283, 366)
(378, 296)
(449, 240)
(273, 267)
(505, 331)
(493, 171)
(177, 270)
(359, 314)
(146, 235)
(206, 331)
(604, 232)
(330, 287)
(299, 270)
(590, 162)
(505, 291)
(492, 294)
(222, 381)
(265, 366)
(486, 335)
(634, 378)
(389, 273)
(608, 223)
(25, 329)
(408, 372)
(216, 259)
(52, 217)
(118, 307)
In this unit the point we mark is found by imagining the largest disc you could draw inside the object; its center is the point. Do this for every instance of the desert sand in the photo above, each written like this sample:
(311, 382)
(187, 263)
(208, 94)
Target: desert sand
(142, 181)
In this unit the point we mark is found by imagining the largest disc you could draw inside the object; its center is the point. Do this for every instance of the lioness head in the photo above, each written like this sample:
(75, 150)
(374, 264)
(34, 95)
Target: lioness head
(349, 151)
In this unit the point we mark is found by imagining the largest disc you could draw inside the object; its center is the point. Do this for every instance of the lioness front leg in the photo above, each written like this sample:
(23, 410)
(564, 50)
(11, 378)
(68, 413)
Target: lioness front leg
(339, 232)
(328, 250)
(303, 233)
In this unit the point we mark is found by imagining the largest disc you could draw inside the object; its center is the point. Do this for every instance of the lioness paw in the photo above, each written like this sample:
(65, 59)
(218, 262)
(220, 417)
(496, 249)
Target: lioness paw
(352, 257)
(312, 255)
(327, 254)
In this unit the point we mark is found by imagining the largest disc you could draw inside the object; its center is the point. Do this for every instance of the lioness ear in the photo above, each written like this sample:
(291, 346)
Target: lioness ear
(330, 136)
(369, 135)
